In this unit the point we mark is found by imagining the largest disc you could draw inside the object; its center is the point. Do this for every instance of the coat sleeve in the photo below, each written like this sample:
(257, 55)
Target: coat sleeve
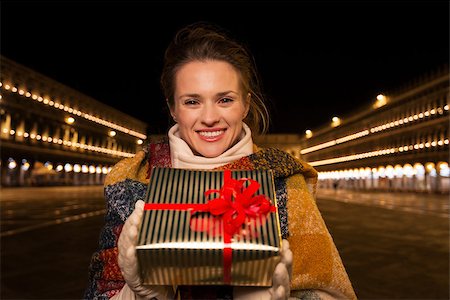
(317, 271)
(124, 185)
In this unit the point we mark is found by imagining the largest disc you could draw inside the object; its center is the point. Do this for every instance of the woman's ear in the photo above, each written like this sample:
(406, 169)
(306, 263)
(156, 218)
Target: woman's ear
(172, 113)
(247, 104)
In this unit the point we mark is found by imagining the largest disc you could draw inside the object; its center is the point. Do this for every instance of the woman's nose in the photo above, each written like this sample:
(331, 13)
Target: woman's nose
(210, 115)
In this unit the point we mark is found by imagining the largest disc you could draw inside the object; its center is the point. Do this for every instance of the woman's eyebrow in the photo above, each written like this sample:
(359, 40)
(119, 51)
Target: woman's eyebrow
(221, 94)
(193, 95)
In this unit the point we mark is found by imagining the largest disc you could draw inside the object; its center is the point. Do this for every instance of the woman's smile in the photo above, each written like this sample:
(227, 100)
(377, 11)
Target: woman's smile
(211, 135)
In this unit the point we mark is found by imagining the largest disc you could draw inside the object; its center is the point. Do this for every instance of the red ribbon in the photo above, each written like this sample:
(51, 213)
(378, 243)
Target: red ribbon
(234, 204)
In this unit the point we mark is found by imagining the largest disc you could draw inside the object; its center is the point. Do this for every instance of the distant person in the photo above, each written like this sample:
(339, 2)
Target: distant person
(213, 94)
(335, 185)
(41, 175)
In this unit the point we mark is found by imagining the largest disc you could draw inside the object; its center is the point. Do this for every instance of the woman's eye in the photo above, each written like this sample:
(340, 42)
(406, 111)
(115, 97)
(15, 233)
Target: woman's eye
(226, 100)
(190, 102)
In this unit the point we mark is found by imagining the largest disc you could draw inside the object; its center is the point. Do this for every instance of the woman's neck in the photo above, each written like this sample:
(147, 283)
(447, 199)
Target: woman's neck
(183, 157)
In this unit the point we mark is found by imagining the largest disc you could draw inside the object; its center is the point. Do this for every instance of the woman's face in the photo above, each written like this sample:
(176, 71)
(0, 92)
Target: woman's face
(209, 106)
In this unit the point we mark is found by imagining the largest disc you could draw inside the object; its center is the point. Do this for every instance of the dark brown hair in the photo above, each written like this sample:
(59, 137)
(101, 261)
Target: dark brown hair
(205, 41)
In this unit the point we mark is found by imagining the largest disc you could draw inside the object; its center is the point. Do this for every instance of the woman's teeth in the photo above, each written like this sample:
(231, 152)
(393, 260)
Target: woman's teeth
(211, 133)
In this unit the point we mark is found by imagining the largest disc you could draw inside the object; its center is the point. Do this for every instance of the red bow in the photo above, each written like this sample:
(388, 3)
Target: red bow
(236, 202)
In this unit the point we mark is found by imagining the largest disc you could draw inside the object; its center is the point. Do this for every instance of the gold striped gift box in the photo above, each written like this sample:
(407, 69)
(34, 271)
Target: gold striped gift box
(190, 233)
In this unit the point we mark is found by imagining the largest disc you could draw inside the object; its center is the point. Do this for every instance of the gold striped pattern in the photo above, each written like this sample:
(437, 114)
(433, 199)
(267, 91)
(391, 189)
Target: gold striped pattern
(169, 252)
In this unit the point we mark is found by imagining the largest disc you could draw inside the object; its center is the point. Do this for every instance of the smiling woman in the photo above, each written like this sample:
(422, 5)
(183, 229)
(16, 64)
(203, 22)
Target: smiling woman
(211, 87)
(211, 119)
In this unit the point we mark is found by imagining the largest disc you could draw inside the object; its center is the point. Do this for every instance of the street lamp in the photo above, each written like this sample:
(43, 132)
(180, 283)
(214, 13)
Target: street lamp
(308, 133)
(335, 121)
(381, 101)
(69, 120)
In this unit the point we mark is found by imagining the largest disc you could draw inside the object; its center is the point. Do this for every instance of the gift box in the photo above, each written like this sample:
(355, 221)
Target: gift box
(209, 228)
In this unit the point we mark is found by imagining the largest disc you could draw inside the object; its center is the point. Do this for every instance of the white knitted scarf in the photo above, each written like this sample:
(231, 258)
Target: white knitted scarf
(183, 158)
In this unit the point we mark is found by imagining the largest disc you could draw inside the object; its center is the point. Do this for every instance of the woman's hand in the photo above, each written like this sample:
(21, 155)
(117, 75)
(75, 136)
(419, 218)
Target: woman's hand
(127, 259)
(281, 279)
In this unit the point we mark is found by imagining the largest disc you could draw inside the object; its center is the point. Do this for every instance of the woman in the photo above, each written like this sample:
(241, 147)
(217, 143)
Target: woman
(212, 90)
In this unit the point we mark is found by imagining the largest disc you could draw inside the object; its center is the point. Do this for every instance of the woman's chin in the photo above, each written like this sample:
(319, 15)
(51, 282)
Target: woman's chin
(210, 153)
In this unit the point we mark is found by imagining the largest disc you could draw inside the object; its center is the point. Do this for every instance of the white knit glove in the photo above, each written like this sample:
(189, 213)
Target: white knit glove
(280, 289)
(281, 281)
(127, 261)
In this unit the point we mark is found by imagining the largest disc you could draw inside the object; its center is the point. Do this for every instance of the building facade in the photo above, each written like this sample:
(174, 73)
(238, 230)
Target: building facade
(53, 135)
(399, 143)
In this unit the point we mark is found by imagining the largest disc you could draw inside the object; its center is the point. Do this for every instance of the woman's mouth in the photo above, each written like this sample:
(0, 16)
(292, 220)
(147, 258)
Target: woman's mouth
(211, 135)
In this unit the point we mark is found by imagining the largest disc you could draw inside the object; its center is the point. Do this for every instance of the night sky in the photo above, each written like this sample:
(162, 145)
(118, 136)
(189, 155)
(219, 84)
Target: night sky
(316, 59)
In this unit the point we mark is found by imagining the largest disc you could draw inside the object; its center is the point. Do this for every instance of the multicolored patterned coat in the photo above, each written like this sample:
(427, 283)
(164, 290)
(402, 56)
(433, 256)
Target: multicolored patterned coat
(317, 266)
